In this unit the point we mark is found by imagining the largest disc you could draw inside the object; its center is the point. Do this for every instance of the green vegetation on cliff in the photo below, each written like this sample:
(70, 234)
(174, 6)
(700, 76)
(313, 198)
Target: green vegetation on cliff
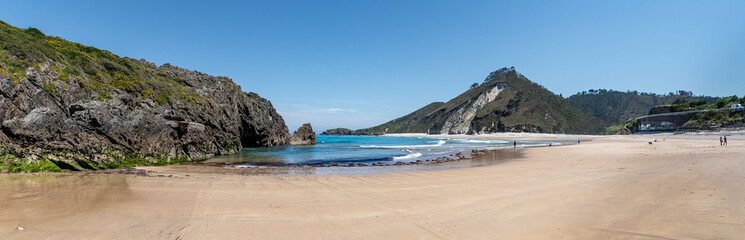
(56, 161)
(711, 104)
(718, 113)
(97, 71)
(720, 118)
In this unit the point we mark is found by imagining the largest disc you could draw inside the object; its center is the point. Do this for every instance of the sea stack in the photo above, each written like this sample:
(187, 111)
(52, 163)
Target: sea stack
(303, 136)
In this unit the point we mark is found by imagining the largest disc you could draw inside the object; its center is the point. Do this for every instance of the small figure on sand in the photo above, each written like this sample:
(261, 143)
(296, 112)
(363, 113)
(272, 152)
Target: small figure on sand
(721, 142)
(577, 141)
(725, 140)
(514, 144)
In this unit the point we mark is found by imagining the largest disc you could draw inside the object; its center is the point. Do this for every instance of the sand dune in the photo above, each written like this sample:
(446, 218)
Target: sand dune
(617, 187)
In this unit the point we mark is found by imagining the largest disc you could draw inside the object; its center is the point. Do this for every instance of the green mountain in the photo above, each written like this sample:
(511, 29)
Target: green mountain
(505, 102)
(615, 107)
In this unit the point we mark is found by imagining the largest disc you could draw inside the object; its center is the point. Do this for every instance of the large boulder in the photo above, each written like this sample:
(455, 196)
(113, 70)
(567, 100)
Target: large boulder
(303, 136)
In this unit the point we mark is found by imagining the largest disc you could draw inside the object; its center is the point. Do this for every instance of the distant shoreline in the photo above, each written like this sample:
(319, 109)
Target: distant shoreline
(540, 137)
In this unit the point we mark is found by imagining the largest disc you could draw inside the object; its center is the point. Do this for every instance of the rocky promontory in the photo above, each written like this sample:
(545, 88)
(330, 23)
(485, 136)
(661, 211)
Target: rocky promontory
(346, 131)
(64, 105)
(339, 131)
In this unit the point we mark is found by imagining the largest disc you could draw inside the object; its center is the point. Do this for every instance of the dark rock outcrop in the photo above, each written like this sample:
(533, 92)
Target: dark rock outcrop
(78, 123)
(303, 136)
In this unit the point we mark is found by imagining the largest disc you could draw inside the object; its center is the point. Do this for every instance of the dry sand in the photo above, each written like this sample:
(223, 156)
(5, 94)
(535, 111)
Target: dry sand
(619, 187)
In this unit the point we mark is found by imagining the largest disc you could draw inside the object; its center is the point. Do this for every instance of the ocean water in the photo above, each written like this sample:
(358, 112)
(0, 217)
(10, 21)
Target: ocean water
(366, 150)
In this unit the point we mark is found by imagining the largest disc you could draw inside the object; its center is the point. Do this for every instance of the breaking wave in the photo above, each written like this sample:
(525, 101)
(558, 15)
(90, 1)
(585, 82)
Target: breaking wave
(409, 156)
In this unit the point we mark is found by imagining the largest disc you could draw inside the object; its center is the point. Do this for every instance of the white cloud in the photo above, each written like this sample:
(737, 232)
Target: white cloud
(337, 110)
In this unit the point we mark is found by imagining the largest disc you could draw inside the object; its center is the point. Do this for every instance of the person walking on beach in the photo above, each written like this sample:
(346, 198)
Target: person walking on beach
(514, 144)
(725, 140)
(721, 142)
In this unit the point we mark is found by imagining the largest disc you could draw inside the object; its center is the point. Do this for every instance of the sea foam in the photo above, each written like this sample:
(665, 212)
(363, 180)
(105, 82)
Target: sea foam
(409, 156)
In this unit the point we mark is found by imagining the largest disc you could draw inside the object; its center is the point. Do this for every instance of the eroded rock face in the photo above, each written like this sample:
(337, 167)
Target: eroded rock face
(460, 121)
(76, 124)
(303, 136)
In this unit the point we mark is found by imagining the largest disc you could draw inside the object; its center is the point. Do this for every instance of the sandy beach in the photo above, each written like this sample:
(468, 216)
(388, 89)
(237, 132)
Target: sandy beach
(611, 187)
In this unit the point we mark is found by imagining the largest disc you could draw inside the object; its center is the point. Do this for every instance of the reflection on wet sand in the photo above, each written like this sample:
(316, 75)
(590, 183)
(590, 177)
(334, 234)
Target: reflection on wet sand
(166, 202)
(47, 197)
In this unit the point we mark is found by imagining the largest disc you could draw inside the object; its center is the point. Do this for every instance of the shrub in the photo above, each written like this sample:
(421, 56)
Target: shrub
(147, 93)
(49, 88)
(698, 103)
(612, 130)
(163, 99)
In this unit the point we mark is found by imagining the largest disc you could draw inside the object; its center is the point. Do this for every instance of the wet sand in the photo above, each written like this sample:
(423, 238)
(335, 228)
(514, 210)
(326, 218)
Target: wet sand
(612, 187)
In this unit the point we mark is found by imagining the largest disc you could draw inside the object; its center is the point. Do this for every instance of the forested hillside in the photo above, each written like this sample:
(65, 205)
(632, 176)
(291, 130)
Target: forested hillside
(615, 107)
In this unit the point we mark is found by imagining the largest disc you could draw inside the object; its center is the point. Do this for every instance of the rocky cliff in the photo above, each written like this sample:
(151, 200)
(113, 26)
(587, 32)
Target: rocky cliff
(64, 105)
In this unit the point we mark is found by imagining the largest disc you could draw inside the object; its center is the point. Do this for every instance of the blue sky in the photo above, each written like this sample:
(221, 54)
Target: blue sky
(357, 64)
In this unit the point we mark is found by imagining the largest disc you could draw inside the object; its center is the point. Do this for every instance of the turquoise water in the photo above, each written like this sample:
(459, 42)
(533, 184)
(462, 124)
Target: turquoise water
(366, 150)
